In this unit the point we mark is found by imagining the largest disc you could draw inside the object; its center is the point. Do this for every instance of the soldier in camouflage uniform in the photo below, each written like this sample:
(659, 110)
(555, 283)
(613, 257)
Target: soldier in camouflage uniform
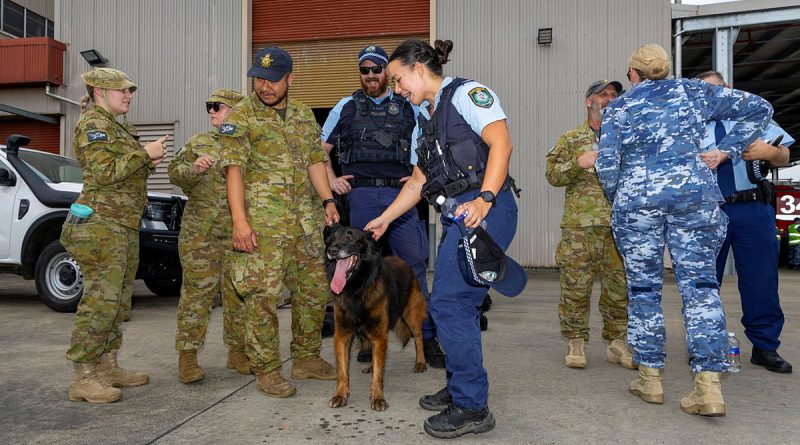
(274, 165)
(115, 170)
(587, 247)
(204, 245)
(652, 167)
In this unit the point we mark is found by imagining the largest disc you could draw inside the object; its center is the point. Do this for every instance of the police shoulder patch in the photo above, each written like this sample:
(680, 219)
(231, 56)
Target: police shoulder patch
(481, 97)
(97, 135)
(227, 129)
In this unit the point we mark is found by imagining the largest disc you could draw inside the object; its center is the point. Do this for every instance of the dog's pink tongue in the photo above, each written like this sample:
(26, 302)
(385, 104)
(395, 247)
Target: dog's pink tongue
(339, 280)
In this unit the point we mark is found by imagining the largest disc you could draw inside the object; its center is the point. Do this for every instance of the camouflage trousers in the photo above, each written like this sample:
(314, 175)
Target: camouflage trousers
(693, 233)
(205, 259)
(258, 278)
(583, 254)
(108, 254)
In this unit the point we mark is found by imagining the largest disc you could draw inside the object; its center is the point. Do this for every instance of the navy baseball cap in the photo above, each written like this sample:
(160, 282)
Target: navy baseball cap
(483, 263)
(601, 85)
(374, 53)
(271, 63)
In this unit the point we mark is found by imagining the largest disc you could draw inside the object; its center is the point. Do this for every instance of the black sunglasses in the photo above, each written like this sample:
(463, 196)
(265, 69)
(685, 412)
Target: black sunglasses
(628, 74)
(377, 69)
(212, 105)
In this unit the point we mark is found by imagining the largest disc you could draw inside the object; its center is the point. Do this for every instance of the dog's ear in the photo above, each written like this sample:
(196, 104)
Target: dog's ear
(328, 231)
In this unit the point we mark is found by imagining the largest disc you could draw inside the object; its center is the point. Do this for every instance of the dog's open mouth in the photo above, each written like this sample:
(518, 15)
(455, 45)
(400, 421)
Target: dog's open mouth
(344, 268)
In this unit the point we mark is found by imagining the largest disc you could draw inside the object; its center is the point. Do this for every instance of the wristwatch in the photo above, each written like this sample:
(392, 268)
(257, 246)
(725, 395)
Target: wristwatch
(325, 202)
(488, 196)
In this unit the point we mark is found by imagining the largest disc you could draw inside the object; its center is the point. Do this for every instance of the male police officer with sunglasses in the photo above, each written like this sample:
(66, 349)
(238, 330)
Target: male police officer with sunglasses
(371, 131)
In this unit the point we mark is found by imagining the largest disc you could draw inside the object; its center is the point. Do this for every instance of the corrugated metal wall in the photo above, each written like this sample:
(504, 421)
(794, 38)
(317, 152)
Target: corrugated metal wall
(177, 51)
(541, 88)
(44, 136)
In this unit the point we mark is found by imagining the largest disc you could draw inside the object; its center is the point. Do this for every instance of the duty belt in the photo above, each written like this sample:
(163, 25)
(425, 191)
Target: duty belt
(462, 185)
(745, 196)
(376, 182)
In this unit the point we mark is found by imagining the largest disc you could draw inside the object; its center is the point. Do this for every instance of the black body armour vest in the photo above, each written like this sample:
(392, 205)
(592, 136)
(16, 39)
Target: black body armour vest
(378, 133)
(449, 150)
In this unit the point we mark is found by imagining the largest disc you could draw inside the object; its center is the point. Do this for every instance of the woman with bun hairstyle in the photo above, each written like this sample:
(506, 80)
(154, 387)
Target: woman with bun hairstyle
(464, 148)
(663, 191)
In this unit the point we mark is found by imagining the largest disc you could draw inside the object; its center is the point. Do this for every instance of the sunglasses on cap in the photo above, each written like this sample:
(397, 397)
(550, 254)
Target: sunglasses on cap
(213, 106)
(377, 69)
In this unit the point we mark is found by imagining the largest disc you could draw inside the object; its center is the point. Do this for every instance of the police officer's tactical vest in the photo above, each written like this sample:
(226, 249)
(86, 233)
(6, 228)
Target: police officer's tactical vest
(378, 132)
(449, 150)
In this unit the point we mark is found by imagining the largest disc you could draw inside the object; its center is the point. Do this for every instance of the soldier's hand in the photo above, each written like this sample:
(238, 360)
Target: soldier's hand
(713, 158)
(244, 237)
(202, 164)
(587, 159)
(378, 227)
(759, 151)
(331, 215)
(340, 184)
(157, 149)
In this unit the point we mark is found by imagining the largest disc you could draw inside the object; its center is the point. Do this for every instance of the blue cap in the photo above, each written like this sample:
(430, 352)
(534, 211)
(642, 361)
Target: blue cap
(483, 263)
(374, 53)
(80, 210)
(271, 63)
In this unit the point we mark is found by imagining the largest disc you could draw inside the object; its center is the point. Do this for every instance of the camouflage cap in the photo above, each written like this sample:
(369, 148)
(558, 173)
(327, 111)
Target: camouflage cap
(226, 96)
(108, 78)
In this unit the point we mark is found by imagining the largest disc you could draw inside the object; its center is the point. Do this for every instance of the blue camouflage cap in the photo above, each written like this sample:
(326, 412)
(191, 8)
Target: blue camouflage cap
(271, 63)
(374, 53)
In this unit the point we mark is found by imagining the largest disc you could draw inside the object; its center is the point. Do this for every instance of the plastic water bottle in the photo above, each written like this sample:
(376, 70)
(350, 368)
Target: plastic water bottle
(78, 214)
(449, 206)
(734, 363)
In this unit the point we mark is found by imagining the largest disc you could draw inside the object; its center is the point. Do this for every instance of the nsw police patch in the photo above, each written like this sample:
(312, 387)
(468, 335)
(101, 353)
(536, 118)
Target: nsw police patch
(394, 108)
(481, 97)
(227, 129)
(97, 136)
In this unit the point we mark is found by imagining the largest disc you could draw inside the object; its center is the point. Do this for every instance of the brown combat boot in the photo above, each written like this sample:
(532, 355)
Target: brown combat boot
(109, 371)
(576, 355)
(619, 352)
(86, 385)
(275, 385)
(188, 369)
(706, 396)
(648, 385)
(237, 359)
(313, 368)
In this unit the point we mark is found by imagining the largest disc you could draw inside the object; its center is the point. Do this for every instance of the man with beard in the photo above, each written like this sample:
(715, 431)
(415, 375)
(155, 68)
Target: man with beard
(587, 247)
(371, 130)
(274, 165)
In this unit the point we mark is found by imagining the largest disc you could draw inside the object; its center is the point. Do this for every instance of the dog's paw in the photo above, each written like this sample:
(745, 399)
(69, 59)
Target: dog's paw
(338, 401)
(420, 367)
(367, 370)
(379, 404)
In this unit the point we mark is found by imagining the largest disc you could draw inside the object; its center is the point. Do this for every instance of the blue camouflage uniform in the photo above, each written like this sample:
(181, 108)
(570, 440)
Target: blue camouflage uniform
(662, 191)
(454, 304)
(750, 234)
(406, 235)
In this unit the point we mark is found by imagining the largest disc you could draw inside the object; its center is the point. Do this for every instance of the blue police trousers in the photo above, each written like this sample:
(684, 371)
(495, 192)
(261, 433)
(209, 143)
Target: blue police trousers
(456, 305)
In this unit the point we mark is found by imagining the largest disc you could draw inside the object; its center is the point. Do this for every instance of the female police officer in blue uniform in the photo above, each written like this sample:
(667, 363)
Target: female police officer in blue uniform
(464, 149)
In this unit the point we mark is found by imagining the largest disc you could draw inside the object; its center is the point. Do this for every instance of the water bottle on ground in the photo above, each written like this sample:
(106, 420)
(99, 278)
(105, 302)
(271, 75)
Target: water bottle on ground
(734, 363)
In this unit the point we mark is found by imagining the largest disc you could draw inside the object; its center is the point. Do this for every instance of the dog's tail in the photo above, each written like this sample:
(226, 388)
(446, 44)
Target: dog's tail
(403, 332)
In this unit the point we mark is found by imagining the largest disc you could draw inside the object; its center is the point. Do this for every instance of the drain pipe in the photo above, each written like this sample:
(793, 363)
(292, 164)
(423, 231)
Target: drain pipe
(56, 96)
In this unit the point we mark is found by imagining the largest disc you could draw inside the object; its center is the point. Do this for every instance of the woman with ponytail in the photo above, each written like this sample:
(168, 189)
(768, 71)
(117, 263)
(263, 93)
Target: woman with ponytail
(464, 148)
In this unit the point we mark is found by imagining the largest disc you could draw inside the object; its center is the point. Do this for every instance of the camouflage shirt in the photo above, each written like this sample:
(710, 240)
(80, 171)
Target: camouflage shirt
(585, 204)
(651, 140)
(208, 199)
(275, 156)
(115, 168)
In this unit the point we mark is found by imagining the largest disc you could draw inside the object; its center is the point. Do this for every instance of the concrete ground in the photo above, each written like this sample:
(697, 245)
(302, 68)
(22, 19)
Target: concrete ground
(534, 398)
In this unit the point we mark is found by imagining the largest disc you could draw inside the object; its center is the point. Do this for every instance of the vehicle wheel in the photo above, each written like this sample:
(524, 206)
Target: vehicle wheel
(58, 277)
(164, 287)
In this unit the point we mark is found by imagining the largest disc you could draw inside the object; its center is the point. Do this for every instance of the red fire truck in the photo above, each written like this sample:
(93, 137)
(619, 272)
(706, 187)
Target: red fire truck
(787, 204)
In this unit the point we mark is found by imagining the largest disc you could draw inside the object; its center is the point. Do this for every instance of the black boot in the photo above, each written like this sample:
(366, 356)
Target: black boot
(455, 421)
(434, 356)
(770, 360)
(436, 402)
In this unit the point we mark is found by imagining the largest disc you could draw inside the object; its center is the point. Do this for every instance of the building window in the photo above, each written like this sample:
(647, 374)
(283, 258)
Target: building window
(35, 25)
(18, 21)
(13, 19)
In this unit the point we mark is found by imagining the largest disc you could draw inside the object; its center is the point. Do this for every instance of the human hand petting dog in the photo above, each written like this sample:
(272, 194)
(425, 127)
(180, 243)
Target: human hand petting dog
(377, 226)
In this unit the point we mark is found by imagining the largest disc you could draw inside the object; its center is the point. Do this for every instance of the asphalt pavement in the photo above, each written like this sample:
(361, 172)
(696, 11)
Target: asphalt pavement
(535, 399)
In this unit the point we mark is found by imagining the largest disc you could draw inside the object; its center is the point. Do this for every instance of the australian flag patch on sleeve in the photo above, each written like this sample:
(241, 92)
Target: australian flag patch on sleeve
(227, 129)
(97, 136)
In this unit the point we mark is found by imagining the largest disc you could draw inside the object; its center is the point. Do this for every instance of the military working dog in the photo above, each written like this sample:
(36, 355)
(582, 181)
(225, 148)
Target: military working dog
(373, 294)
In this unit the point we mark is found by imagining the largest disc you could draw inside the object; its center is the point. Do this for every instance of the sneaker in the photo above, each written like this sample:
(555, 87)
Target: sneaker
(576, 355)
(455, 421)
(619, 352)
(436, 402)
(434, 356)
(313, 368)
